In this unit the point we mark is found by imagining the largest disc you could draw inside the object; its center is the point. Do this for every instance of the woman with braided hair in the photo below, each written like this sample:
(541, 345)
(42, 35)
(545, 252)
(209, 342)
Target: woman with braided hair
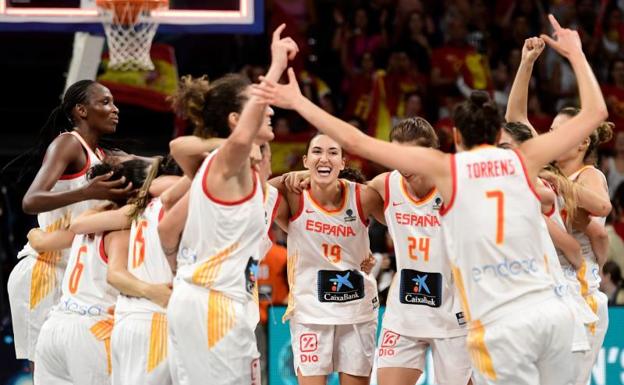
(67, 147)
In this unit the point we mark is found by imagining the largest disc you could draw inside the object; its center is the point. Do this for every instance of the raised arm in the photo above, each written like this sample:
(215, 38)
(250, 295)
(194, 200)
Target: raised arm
(548, 147)
(519, 94)
(118, 276)
(417, 160)
(234, 153)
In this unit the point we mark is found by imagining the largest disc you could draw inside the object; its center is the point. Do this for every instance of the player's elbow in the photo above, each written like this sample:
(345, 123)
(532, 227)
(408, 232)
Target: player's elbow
(176, 148)
(604, 209)
(29, 205)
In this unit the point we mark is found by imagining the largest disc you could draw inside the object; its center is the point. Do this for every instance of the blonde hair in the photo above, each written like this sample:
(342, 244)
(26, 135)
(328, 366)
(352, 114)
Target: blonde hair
(142, 197)
(564, 188)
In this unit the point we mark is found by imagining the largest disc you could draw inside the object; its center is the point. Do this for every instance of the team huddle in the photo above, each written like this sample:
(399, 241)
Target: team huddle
(143, 270)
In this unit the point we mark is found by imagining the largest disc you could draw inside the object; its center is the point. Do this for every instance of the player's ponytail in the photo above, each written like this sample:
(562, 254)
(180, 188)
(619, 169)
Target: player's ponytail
(142, 197)
(188, 101)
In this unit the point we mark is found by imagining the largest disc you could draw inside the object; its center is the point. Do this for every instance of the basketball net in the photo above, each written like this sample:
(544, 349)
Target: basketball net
(129, 29)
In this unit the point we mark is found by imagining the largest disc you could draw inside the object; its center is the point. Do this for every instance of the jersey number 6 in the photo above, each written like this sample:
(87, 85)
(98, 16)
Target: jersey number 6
(76, 273)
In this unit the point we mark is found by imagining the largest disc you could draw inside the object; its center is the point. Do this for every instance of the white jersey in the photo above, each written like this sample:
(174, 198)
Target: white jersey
(589, 273)
(272, 199)
(325, 250)
(421, 301)
(85, 289)
(146, 260)
(49, 262)
(564, 273)
(493, 234)
(57, 217)
(220, 245)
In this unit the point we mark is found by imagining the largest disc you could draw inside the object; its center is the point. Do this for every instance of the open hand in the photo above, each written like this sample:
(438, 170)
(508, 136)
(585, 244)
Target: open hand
(296, 181)
(280, 95)
(102, 188)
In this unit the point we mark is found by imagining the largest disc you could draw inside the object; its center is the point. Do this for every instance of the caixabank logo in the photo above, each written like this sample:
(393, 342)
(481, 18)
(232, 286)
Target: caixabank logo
(421, 288)
(340, 286)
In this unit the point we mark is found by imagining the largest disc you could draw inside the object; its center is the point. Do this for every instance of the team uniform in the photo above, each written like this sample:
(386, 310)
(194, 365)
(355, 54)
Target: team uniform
(331, 304)
(519, 331)
(139, 340)
(422, 309)
(211, 336)
(568, 286)
(33, 284)
(588, 282)
(74, 344)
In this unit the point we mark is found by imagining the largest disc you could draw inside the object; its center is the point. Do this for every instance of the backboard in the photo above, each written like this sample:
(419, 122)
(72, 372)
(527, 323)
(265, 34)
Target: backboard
(183, 16)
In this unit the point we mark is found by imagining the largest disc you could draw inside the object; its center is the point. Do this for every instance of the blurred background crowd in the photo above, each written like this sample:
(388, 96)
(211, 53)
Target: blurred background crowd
(371, 62)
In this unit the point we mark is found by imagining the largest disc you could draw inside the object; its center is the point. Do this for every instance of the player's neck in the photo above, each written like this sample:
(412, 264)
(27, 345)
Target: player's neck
(571, 166)
(419, 186)
(89, 136)
(327, 194)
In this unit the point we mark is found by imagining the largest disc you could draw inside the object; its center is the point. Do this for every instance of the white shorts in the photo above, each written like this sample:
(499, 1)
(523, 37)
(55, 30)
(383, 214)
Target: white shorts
(323, 349)
(139, 349)
(73, 350)
(27, 322)
(210, 339)
(450, 357)
(596, 335)
(529, 347)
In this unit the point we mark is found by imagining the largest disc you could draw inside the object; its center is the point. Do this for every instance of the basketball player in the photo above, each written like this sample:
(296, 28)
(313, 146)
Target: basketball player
(506, 291)
(74, 346)
(567, 250)
(60, 192)
(422, 310)
(594, 199)
(211, 337)
(331, 303)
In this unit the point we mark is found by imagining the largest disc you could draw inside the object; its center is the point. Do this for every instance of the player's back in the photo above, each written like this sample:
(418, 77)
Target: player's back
(221, 240)
(492, 230)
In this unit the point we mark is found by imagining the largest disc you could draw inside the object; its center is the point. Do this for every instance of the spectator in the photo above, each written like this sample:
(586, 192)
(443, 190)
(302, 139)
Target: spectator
(616, 229)
(415, 42)
(613, 92)
(613, 167)
(611, 283)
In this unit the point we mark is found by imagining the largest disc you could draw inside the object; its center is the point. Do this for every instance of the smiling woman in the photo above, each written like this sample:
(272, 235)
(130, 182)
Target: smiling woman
(60, 191)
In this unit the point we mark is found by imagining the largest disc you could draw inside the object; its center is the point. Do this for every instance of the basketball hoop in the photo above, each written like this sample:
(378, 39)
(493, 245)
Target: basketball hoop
(129, 28)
